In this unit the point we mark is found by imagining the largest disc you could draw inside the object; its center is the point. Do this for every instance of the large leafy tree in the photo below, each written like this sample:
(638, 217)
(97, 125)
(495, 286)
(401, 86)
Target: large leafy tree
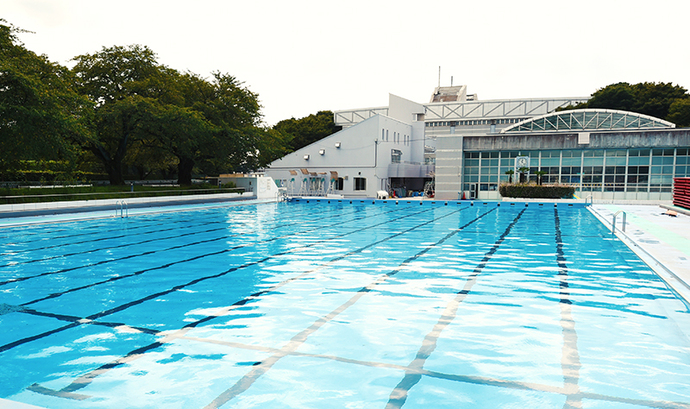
(41, 115)
(679, 112)
(307, 130)
(235, 113)
(215, 127)
(649, 98)
(148, 110)
(273, 144)
(124, 84)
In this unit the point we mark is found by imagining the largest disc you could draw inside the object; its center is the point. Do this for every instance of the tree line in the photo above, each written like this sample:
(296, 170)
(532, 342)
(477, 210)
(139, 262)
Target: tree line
(661, 100)
(123, 111)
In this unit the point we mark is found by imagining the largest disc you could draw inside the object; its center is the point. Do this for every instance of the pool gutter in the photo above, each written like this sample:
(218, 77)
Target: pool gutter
(675, 282)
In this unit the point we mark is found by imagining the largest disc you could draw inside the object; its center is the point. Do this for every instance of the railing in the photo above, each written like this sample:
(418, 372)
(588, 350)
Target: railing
(591, 200)
(282, 194)
(613, 223)
(124, 208)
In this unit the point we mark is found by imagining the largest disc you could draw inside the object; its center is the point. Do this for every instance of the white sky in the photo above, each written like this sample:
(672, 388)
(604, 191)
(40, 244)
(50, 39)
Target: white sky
(303, 56)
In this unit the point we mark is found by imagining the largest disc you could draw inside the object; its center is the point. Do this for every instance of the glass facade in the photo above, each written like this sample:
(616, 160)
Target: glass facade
(595, 170)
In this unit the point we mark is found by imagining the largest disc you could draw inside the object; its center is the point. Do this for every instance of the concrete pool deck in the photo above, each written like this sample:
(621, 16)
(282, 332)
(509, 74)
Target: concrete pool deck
(660, 240)
(52, 212)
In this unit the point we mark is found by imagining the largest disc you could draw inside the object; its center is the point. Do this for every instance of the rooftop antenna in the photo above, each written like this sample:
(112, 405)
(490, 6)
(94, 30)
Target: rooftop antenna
(451, 80)
(439, 76)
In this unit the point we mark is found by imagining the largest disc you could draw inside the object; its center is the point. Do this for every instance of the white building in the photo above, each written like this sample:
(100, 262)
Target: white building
(466, 146)
(373, 153)
(393, 148)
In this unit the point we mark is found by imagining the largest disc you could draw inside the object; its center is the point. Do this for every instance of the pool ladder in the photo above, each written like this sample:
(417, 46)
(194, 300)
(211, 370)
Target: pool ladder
(589, 199)
(613, 224)
(123, 208)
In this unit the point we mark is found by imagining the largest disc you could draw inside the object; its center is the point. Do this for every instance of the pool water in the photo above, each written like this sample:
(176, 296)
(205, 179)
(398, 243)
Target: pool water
(338, 305)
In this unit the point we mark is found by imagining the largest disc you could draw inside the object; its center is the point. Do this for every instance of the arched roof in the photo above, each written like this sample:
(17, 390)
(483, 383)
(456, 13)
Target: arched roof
(587, 120)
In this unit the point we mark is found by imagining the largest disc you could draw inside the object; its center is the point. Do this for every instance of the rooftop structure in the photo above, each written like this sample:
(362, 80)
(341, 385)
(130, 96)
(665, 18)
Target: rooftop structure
(588, 119)
(452, 94)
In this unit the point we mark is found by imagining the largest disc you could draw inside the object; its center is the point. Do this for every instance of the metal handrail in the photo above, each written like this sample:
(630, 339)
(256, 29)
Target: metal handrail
(591, 200)
(124, 208)
(613, 224)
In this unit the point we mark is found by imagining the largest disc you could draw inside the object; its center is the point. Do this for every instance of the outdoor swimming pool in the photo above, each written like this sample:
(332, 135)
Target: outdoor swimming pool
(330, 305)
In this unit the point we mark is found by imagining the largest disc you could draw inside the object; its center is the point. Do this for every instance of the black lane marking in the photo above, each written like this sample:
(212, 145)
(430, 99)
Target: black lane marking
(136, 273)
(399, 395)
(84, 380)
(18, 279)
(195, 281)
(295, 342)
(570, 355)
(249, 264)
(71, 318)
(38, 336)
(111, 247)
(119, 246)
(145, 224)
(94, 240)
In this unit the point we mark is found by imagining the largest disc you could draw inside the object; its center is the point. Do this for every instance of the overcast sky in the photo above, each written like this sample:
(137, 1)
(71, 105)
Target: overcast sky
(305, 56)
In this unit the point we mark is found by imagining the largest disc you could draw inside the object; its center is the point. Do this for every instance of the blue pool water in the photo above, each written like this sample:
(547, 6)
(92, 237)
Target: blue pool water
(338, 305)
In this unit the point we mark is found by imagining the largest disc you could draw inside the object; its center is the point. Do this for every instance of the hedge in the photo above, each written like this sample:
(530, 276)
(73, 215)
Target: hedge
(48, 176)
(534, 191)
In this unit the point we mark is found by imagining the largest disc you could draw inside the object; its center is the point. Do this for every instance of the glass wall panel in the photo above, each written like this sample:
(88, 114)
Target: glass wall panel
(613, 170)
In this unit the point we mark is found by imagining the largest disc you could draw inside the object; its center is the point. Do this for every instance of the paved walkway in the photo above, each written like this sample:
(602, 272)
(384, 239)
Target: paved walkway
(662, 241)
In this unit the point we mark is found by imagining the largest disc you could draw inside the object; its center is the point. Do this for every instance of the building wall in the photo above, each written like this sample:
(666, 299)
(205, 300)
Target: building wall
(633, 165)
(364, 152)
(372, 149)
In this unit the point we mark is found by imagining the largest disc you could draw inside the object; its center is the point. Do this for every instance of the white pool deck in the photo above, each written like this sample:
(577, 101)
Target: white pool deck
(662, 241)
(51, 212)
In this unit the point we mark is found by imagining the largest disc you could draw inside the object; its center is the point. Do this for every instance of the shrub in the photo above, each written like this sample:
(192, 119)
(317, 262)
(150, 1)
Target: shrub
(532, 191)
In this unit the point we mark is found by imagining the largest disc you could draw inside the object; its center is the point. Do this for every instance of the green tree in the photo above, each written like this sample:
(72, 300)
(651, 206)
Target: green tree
(679, 112)
(523, 174)
(123, 83)
(273, 145)
(230, 139)
(211, 126)
(649, 98)
(307, 130)
(655, 99)
(615, 96)
(41, 115)
(539, 174)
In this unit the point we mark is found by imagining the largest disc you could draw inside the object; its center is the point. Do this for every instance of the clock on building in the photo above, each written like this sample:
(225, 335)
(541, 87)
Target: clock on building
(522, 162)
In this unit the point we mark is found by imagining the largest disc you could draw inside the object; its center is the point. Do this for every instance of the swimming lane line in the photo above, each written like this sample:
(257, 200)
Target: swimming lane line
(84, 380)
(295, 342)
(195, 281)
(412, 376)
